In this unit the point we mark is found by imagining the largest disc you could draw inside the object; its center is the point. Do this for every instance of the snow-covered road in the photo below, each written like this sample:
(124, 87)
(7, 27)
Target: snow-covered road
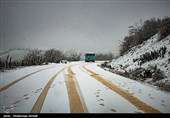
(76, 87)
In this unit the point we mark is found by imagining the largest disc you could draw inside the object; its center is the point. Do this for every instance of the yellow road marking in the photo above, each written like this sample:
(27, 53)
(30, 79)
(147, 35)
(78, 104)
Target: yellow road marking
(15, 81)
(132, 99)
(39, 103)
(77, 104)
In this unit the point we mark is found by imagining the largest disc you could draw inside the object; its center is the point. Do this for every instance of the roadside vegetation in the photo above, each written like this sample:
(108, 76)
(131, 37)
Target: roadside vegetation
(104, 56)
(39, 57)
(141, 32)
(149, 65)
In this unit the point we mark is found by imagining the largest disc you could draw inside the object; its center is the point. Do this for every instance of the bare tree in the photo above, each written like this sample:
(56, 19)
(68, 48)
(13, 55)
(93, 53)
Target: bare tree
(34, 57)
(72, 55)
(53, 55)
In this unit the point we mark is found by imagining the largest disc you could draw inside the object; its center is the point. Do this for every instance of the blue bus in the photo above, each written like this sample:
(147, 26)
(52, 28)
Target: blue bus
(90, 57)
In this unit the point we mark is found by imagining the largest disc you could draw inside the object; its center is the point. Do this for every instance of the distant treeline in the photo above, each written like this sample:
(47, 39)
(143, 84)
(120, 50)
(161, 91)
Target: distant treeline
(37, 57)
(143, 31)
(104, 56)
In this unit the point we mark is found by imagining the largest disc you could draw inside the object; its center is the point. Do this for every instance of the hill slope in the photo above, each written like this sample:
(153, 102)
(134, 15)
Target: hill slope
(148, 62)
(16, 54)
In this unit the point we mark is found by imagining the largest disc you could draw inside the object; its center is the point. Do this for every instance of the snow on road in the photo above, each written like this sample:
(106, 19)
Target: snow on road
(11, 75)
(21, 96)
(57, 98)
(156, 98)
(98, 98)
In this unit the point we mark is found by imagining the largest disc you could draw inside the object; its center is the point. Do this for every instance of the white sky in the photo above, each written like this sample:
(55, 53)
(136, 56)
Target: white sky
(95, 26)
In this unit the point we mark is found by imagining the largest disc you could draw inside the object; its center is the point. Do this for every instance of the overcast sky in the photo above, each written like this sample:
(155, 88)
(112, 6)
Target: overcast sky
(87, 26)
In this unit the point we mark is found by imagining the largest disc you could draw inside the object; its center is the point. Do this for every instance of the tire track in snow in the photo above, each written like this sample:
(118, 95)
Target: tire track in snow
(77, 104)
(17, 80)
(132, 99)
(39, 103)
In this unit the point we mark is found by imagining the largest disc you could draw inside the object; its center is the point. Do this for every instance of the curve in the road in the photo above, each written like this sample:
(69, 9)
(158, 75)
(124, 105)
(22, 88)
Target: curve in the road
(77, 104)
(132, 99)
(39, 103)
(17, 80)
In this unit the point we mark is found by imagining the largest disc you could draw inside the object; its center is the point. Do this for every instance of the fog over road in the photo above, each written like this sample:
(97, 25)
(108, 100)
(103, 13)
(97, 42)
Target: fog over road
(76, 87)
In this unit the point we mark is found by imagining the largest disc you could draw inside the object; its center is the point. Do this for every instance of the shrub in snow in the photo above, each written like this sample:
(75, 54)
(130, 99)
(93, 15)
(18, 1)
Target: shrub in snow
(144, 73)
(164, 85)
(137, 73)
(169, 53)
(106, 64)
(148, 56)
(158, 75)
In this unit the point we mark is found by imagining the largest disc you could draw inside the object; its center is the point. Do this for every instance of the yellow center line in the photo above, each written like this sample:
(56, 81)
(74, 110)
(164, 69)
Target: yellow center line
(39, 103)
(15, 81)
(77, 104)
(132, 99)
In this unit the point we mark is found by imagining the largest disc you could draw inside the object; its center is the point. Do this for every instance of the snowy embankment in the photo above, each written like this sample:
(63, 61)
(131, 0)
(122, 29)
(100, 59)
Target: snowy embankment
(141, 60)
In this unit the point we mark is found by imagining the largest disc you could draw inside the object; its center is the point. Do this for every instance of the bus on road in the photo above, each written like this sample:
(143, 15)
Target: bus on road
(90, 57)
